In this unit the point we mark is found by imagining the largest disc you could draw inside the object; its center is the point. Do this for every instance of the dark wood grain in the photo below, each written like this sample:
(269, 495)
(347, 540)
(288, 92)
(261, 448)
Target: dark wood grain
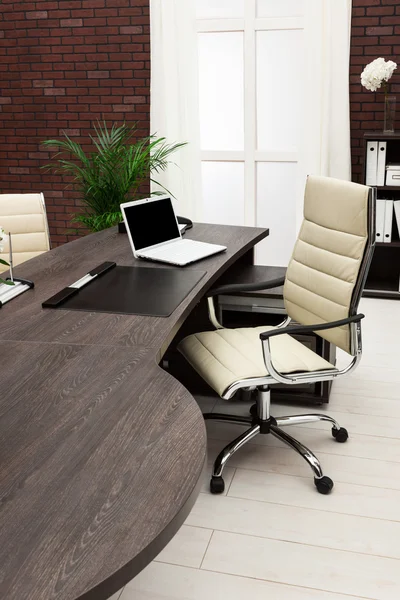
(99, 467)
(101, 451)
(254, 274)
(382, 135)
(25, 319)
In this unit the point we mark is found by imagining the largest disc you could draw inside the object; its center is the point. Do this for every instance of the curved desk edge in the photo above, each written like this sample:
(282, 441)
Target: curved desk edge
(46, 329)
(207, 283)
(116, 582)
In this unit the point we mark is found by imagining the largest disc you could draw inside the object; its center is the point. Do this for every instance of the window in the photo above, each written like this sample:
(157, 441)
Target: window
(250, 72)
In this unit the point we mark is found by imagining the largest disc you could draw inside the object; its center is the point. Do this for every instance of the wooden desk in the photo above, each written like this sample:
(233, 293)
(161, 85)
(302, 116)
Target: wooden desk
(101, 451)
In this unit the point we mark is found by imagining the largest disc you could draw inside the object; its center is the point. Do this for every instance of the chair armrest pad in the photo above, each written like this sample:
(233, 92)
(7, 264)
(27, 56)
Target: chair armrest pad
(237, 288)
(310, 328)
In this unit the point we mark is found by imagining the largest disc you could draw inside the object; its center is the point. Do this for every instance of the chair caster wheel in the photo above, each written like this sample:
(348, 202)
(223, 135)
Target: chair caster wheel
(324, 485)
(217, 485)
(253, 410)
(341, 435)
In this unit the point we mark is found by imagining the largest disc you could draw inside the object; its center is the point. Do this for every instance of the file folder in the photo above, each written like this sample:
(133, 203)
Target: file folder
(396, 206)
(380, 219)
(372, 163)
(387, 231)
(381, 170)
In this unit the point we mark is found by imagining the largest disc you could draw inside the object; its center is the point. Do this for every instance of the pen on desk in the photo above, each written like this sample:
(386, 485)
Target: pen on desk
(11, 258)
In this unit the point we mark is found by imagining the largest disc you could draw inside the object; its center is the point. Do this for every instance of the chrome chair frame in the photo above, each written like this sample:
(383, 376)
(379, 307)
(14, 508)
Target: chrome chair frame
(261, 421)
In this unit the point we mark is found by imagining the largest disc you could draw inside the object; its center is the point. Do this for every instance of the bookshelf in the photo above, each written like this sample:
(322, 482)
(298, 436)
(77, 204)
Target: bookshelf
(384, 274)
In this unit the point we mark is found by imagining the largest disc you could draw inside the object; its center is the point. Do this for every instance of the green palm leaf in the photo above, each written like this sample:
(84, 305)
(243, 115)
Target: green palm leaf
(113, 173)
(3, 262)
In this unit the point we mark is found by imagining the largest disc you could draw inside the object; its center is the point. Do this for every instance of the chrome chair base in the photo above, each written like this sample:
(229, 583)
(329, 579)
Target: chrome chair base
(262, 423)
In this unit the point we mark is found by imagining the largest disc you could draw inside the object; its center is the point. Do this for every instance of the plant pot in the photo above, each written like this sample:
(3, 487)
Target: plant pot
(121, 227)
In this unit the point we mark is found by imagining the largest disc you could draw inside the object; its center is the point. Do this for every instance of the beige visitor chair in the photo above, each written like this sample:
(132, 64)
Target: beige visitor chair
(322, 289)
(24, 215)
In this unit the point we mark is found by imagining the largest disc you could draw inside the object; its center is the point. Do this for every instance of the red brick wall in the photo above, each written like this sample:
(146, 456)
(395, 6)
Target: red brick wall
(64, 64)
(375, 32)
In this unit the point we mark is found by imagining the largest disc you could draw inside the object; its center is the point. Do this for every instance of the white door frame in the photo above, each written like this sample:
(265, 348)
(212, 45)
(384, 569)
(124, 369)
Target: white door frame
(251, 155)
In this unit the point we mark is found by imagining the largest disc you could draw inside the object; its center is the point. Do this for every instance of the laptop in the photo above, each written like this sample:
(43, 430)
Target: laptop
(154, 233)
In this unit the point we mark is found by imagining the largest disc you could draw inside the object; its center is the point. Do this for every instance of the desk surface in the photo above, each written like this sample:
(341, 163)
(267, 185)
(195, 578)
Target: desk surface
(101, 451)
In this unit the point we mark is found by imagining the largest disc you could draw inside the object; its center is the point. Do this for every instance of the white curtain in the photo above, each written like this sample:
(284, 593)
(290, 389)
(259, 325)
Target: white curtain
(326, 127)
(174, 111)
(325, 146)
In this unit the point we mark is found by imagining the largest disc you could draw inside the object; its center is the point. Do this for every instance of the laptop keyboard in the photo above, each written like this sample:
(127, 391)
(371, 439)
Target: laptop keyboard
(183, 251)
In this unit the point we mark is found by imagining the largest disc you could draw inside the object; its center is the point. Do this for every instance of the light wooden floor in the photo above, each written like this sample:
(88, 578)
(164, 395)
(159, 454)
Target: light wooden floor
(271, 535)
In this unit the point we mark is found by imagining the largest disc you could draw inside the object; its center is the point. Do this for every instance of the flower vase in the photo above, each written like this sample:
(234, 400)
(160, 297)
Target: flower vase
(390, 114)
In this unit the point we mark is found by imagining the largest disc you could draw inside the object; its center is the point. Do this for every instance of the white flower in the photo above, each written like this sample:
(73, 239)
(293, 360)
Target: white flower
(378, 71)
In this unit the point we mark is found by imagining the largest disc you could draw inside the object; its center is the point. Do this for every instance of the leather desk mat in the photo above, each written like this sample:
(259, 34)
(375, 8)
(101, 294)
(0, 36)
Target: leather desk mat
(155, 292)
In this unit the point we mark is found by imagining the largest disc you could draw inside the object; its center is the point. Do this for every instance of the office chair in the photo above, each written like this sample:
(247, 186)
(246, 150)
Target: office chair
(322, 289)
(24, 215)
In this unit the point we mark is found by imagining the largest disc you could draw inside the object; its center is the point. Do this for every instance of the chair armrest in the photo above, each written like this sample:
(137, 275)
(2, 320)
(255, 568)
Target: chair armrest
(237, 288)
(310, 328)
(306, 376)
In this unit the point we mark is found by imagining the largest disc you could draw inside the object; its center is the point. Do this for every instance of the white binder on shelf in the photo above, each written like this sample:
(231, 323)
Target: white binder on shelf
(372, 163)
(396, 206)
(381, 169)
(387, 230)
(380, 219)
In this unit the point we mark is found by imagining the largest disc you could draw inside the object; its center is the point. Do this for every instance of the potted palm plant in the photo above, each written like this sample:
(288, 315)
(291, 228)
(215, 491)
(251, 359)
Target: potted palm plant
(112, 173)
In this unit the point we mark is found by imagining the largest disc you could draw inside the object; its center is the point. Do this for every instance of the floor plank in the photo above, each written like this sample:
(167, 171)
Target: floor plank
(187, 548)
(341, 468)
(369, 383)
(300, 525)
(361, 424)
(284, 562)
(168, 582)
(271, 535)
(357, 500)
(318, 440)
(363, 404)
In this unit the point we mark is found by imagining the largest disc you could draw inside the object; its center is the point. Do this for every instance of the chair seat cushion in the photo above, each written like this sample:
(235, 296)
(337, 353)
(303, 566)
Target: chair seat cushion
(225, 356)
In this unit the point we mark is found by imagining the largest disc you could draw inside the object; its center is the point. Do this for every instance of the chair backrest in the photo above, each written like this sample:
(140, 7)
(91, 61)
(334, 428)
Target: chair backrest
(331, 257)
(24, 215)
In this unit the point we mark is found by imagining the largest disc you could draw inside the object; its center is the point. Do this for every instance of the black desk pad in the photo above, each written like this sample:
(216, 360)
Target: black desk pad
(154, 292)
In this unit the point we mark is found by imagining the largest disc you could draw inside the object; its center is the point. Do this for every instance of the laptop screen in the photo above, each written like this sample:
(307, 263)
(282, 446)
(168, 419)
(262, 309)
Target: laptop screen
(152, 223)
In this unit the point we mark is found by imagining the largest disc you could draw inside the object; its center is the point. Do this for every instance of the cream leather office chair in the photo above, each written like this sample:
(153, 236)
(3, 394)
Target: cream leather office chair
(24, 215)
(322, 288)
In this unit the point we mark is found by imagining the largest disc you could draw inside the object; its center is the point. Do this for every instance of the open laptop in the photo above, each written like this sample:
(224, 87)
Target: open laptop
(154, 233)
